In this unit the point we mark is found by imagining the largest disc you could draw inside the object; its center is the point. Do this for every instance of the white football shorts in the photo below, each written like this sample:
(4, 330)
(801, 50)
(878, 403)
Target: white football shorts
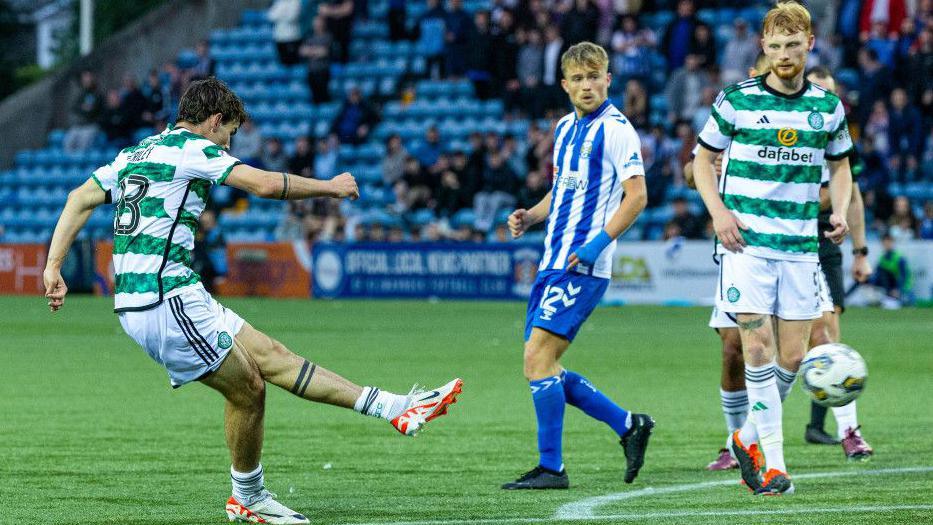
(189, 334)
(790, 290)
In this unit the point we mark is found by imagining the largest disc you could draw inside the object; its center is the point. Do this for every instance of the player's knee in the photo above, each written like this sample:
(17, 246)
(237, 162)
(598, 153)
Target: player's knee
(252, 391)
(537, 362)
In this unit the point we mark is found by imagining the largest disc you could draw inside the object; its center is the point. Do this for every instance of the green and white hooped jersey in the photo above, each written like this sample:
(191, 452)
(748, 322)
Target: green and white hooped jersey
(775, 146)
(160, 187)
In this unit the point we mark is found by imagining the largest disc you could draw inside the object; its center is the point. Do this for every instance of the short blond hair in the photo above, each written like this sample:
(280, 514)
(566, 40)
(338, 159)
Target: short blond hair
(586, 54)
(787, 18)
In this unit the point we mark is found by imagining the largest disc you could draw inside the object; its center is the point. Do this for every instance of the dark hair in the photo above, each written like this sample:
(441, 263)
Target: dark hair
(207, 97)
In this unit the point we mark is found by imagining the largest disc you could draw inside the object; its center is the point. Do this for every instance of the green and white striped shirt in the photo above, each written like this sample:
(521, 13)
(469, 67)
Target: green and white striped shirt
(160, 187)
(775, 147)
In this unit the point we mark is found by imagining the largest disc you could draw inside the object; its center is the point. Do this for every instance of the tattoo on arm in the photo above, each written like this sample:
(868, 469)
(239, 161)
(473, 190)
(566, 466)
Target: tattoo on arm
(752, 324)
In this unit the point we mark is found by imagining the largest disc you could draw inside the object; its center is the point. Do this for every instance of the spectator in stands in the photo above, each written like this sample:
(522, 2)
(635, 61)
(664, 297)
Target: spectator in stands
(204, 67)
(529, 68)
(430, 32)
(302, 161)
(396, 18)
(210, 252)
(156, 95)
(704, 45)
(458, 26)
(247, 143)
(905, 136)
(479, 55)
(496, 193)
(468, 179)
(535, 188)
(874, 82)
(429, 150)
(691, 226)
(631, 47)
(882, 44)
(325, 161)
(740, 53)
(115, 121)
(552, 93)
(316, 51)
(580, 23)
(919, 66)
(273, 156)
(355, 120)
(701, 115)
(892, 274)
(678, 37)
(685, 88)
(876, 129)
(889, 13)
(925, 231)
(902, 224)
(635, 106)
(450, 197)
(393, 162)
(286, 29)
(505, 58)
(132, 101)
(514, 154)
(339, 17)
(85, 115)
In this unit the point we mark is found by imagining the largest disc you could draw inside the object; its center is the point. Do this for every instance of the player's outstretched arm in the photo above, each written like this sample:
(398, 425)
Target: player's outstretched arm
(633, 203)
(726, 224)
(285, 186)
(521, 219)
(81, 202)
(840, 193)
(861, 268)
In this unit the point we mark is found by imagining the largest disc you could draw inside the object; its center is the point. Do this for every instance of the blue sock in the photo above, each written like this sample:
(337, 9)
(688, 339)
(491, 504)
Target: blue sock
(583, 395)
(549, 399)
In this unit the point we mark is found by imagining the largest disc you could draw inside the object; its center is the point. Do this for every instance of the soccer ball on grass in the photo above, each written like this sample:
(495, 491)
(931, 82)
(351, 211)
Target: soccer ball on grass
(833, 374)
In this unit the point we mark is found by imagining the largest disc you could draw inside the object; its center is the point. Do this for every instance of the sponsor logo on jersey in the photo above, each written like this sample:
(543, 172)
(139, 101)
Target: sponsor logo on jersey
(764, 120)
(632, 161)
(785, 154)
(787, 136)
(573, 181)
(815, 120)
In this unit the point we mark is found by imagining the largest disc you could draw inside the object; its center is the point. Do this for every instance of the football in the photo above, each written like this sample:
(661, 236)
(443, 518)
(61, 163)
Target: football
(833, 374)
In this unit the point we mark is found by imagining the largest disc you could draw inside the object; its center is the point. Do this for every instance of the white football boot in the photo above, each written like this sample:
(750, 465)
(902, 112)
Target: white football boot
(264, 510)
(423, 406)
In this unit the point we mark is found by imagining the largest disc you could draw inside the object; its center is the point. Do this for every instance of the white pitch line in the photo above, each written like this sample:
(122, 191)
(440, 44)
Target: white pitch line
(583, 510)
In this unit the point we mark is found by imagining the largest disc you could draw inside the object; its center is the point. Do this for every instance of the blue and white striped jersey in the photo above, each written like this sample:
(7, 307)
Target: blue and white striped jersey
(592, 156)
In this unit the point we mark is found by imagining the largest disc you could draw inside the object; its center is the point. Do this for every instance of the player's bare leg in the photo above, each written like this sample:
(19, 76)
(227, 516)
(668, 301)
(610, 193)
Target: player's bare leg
(240, 382)
(284, 369)
(732, 386)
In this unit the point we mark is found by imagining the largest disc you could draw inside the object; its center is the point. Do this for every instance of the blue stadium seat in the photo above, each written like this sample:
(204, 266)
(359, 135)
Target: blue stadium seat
(464, 217)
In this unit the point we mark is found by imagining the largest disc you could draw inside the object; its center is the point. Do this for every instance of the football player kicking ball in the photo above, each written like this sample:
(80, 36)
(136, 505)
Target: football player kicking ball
(161, 187)
(826, 328)
(597, 160)
(777, 130)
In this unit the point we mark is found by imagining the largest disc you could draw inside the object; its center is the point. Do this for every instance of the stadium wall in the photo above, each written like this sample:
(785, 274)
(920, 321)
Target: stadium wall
(27, 116)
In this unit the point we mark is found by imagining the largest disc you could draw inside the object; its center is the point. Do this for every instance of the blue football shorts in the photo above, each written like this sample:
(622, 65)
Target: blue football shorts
(561, 301)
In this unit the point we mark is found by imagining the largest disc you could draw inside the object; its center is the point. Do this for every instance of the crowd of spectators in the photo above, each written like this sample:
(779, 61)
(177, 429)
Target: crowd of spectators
(664, 81)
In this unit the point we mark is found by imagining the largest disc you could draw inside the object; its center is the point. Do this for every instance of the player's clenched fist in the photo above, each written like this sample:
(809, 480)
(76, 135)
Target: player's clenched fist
(518, 222)
(55, 288)
(345, 186)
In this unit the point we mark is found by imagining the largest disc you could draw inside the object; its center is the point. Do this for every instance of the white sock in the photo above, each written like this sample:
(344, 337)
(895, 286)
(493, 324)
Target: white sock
(846, 418)
(246, 485)
(734, 408)
(785, 380)
(379, 403)
(765, 402)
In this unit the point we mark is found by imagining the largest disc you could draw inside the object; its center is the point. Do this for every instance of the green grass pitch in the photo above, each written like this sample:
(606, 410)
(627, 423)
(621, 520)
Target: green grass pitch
(92, 433)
